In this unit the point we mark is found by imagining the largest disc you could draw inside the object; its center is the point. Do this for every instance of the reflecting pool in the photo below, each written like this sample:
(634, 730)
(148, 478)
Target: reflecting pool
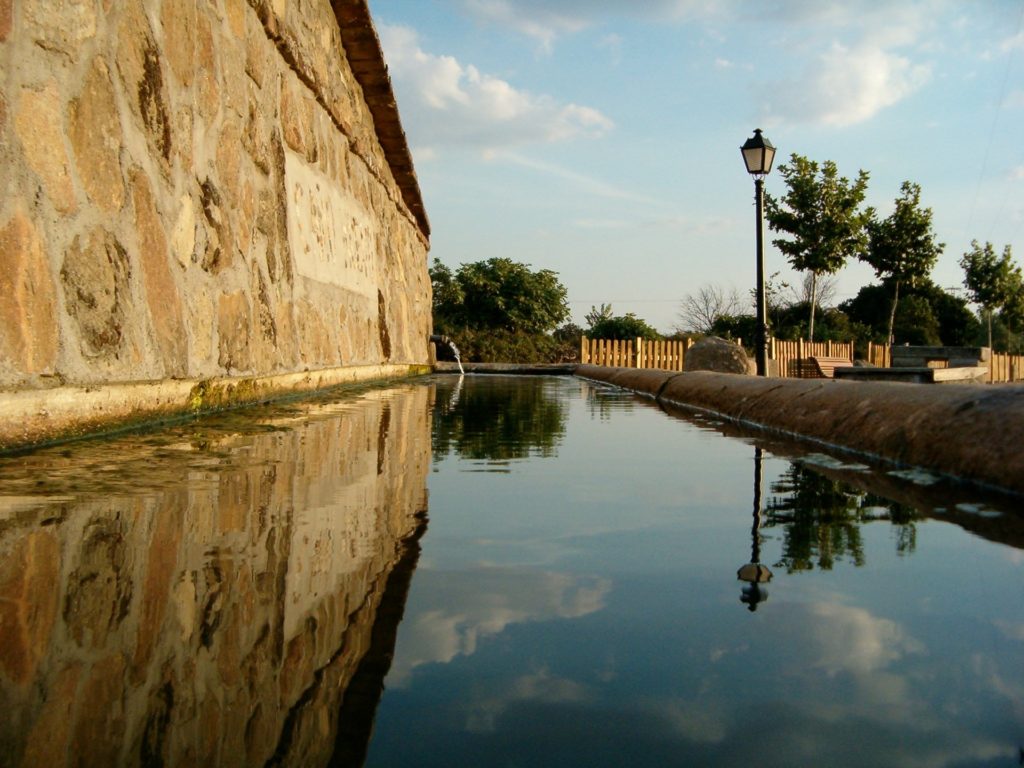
(597, 581)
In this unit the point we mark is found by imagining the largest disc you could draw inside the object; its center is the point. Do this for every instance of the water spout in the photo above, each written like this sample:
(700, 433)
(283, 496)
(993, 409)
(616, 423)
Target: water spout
(439, 339)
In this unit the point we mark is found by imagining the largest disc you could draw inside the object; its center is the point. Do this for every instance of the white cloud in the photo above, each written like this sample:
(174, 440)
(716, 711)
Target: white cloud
(446, 103)
(850, 639)
(580, 181)
(1014, 99)
(547, 20)
(1012, 43)
(847, 86)
(539, 686)
(482, 606)
(544, 24)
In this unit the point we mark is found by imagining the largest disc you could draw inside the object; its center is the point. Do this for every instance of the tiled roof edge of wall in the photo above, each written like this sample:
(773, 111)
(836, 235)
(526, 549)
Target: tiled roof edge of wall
(366, 57)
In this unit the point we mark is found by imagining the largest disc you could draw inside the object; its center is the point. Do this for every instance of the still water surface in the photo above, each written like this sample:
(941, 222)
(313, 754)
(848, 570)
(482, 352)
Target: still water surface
(273, 588)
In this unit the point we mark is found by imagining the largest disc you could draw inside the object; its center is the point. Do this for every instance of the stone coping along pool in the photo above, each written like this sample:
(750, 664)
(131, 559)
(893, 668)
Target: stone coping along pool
(970, 432)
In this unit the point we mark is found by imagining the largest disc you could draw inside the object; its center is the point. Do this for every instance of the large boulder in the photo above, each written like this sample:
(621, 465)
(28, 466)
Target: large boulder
(715, 354)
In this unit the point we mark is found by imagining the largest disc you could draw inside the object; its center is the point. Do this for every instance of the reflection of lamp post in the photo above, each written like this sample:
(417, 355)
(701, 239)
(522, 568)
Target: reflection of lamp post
(758, 154)
(754, 573)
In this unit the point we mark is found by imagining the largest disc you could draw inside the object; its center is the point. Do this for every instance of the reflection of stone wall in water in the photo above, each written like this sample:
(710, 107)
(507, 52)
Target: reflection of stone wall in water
(200, 190)
(214, 611)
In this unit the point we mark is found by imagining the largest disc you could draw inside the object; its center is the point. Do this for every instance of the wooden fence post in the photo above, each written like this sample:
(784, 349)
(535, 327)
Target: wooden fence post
(639, 359)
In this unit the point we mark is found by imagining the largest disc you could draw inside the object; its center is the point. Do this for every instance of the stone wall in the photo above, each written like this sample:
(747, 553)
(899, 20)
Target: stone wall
(205, 595)
(196, 189)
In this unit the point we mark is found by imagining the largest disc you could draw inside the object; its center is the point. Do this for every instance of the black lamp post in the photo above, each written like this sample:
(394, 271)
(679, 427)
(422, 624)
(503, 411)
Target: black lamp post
(758, 154)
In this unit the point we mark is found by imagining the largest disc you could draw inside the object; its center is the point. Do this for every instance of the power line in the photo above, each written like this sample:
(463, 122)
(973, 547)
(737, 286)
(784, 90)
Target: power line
(992, 132)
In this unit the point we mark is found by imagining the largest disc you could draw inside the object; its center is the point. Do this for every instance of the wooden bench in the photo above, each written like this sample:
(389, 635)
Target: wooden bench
(825, 367)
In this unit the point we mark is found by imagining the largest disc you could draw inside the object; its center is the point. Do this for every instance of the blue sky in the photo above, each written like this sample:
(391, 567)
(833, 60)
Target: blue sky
(600, 138)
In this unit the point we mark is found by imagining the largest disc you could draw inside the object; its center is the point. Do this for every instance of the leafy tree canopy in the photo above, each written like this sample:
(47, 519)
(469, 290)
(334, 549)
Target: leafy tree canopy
(822, 217)
(902, 247)
(989, 278)
(627, 326)
(993, 281)
(497, 294)
(947, 316)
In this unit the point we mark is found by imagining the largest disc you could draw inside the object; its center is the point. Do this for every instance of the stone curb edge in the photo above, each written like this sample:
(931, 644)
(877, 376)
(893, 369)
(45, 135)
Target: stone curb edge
(970, 432)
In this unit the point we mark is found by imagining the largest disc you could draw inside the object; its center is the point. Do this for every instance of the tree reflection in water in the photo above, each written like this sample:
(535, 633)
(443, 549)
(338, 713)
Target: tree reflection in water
(821, 519)
(480, 418)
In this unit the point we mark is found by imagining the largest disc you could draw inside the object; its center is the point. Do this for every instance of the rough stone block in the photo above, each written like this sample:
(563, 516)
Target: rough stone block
(183, 236)
(207, 75)
(178, 19)
(5, 19)
(161, 291)
(236, 13)
(139, 66)
(219, 253)
(28, 311)
(234, 326)
(94, 130)
(38, 123)
(296, 114)
(59, 27)
(97, 292)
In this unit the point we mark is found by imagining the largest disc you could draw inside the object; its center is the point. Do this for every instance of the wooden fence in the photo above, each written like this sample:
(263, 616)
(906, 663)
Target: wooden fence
(635, 353)
(1006, 368)
(792, 356)
(671, 355)
(879, 355)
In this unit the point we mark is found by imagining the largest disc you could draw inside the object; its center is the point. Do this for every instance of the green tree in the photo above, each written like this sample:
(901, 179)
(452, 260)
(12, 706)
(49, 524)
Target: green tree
(870, 308)
(497, 294)
(499, 309)
(627, 326)
(447, 296)
(598, 314)
(1011, 314)
(916, 323)
(902, 247)
(990, 279)
(821, 213)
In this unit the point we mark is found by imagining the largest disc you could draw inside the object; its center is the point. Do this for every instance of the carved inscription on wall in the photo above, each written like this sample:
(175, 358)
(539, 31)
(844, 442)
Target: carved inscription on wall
(332, 236)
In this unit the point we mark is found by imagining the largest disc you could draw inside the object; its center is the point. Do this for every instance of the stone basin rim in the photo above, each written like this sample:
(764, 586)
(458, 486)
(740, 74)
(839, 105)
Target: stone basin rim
(968, 433)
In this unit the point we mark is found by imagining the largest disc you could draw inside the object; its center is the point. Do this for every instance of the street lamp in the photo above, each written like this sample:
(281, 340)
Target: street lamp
(758, 154)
